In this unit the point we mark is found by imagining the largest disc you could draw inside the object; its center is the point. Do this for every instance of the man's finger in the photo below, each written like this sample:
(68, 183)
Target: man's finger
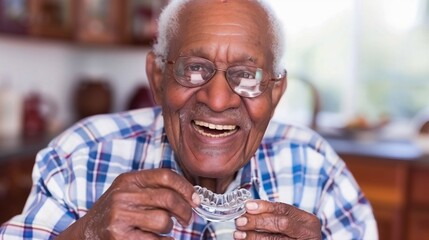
(278, 218)
(151, 221)
(261, 206)
(165, 178)
(251, 235)
(265, 222)
(162, 198)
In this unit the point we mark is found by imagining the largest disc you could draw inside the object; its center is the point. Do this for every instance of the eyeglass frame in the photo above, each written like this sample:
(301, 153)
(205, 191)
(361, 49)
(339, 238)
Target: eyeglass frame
(278, 78)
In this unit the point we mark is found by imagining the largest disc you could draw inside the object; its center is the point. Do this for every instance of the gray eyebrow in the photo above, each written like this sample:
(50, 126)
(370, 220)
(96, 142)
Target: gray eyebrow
(201, 52)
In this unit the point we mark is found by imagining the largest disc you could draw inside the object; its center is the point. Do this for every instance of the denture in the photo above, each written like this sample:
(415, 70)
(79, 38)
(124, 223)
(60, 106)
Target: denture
(221, 207)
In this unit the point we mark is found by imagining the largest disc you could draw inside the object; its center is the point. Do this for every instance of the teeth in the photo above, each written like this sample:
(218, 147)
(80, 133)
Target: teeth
(230, 129)
(215, 126)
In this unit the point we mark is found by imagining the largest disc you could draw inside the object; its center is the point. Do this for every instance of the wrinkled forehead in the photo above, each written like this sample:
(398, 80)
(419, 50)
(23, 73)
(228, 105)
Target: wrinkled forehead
(234, 22)
(245, 15)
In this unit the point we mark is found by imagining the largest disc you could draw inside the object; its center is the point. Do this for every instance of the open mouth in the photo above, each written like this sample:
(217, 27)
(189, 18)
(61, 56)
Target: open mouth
(214, 130)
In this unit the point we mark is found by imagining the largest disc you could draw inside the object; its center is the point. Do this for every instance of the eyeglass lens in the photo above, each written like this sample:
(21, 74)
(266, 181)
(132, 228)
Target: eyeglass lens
(247, 81)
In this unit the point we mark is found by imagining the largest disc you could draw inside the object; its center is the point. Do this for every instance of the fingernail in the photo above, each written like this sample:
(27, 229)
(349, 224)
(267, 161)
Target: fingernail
(196, 199)
(240, 222)
(239, 235)
(251, 206)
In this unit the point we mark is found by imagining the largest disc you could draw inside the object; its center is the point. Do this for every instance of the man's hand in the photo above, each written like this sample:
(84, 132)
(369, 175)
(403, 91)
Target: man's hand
(138, 205)
(268, 220)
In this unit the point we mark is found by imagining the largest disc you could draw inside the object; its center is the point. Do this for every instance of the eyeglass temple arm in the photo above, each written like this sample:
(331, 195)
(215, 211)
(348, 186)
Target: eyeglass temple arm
(280, 76)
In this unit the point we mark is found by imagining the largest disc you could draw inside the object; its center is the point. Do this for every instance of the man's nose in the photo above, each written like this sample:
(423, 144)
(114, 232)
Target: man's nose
(217, 94)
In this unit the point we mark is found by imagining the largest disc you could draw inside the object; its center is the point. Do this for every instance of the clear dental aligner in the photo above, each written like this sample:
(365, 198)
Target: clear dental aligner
(221, 207)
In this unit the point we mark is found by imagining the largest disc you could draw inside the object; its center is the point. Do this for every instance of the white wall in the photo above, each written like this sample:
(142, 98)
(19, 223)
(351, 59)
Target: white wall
(53, 69)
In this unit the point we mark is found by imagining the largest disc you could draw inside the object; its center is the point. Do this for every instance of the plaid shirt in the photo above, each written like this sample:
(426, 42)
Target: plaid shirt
(292, 165)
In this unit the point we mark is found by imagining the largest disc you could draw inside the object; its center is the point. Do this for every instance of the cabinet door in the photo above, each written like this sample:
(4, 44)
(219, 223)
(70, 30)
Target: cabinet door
(418, 217)
(418, 225)
(384, 183)
(15, 185)
(419, 186)
(389, 222)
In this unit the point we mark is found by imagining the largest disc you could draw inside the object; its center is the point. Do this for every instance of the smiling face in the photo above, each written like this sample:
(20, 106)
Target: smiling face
(214, 131)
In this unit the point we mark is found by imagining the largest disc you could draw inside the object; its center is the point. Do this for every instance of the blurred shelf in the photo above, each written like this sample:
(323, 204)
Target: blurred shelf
(90, 23)
(35, 40)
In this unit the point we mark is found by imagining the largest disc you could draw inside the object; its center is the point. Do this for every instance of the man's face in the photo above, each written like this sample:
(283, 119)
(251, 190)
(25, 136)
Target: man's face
(214, 131)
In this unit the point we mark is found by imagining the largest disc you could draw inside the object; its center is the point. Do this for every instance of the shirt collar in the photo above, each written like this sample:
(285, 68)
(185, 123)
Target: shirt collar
(247, 176)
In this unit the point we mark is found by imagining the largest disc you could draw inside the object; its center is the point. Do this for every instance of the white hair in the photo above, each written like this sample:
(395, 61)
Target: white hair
(168, 24)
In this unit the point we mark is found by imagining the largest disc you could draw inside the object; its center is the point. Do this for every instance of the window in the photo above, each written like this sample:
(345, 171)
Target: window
(366, 57)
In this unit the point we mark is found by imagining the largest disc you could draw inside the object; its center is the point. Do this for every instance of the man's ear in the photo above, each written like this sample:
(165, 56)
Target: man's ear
(278, 89)
(155, 77)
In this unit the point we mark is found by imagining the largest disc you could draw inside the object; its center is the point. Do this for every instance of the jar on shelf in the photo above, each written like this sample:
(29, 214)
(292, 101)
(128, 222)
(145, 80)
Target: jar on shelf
(92, 96)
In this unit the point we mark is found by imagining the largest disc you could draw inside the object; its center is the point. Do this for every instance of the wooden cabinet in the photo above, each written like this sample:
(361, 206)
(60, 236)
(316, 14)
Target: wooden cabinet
(384, 184)
(418, 222)
(398, 192)
(83, 21)
(15, 185)
(50, 18)
(17, 158)
(418, 215)
(419, 186)
(101, 21)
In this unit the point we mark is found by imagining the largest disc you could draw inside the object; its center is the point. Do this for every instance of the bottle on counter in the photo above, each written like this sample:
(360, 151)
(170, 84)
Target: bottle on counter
(37, 110)
(10, 111)
(92, 96)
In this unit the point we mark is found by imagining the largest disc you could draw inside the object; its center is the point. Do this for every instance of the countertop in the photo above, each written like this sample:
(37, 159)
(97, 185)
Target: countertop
(12, 148)
(406, 150)
(379, 144)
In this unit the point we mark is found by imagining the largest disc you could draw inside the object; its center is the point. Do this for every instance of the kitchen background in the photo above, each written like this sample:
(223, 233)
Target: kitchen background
(358, 74)
(50, 47)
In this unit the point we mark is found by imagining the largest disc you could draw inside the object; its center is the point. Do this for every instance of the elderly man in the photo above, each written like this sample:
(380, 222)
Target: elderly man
(217, 75)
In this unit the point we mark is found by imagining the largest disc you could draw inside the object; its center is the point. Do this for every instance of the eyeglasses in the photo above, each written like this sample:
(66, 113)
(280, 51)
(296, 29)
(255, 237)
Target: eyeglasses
(246, 81)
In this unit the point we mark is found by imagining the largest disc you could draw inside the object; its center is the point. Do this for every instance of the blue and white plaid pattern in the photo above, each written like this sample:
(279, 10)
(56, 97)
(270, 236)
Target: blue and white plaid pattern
(292, 165)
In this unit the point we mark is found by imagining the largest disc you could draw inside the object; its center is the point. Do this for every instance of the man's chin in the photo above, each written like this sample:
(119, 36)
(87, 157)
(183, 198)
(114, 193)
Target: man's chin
(218, 171)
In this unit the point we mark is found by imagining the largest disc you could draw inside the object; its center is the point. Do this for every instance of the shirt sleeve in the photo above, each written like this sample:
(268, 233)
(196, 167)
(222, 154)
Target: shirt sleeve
(47, 212)
(345, 213)
(77, 167)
